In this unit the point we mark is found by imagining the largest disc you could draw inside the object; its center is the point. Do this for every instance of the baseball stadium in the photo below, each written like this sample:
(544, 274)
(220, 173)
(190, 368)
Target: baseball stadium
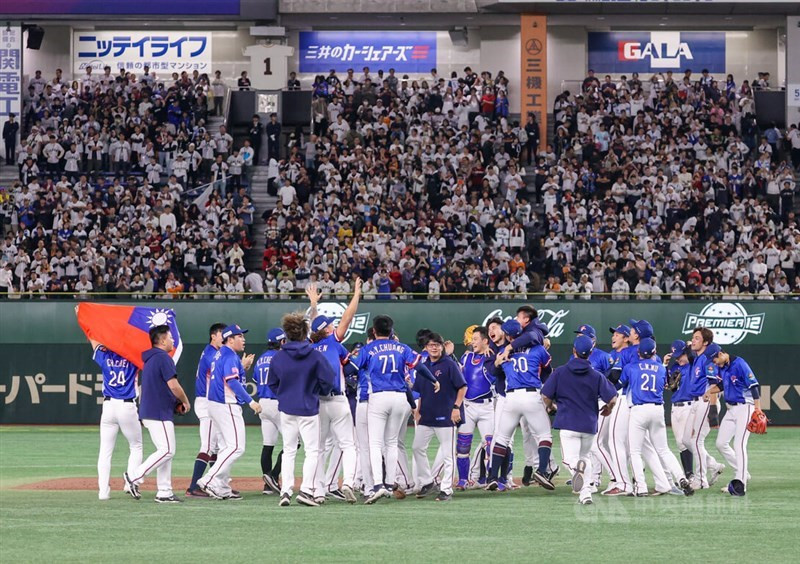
(340, 281)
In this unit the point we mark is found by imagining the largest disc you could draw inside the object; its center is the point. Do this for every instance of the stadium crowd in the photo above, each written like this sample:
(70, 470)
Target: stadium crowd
(421, 186)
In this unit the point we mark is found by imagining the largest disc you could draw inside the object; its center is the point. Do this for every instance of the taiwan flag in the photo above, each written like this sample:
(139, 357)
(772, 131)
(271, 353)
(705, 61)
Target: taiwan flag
(125, 329)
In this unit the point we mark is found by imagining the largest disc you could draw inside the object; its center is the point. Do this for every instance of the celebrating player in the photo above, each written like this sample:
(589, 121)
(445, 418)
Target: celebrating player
(742, 399)
(226, 395)
(208, 434)
(613, 444)
(270, 416)
(160, 392)
(679, 380)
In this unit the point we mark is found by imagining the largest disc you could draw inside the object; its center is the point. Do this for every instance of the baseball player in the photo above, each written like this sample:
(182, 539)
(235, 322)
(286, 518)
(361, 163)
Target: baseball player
(438, 412)
(298, 376)
(270, 416)
(226, 395)
(362, 432)
(208, 434)
(645, 381)
(524, 370)
(576, 388)
(735, 379)
(160, 393)
(119, 413)
(478, 403)
(708, 470)
(616, 452)
(385, 361)
(679, 380)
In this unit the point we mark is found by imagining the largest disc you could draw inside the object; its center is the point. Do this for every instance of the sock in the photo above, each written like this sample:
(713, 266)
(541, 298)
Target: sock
(482, 475)
(499, 453)
(508, 464)
(463, 445)
(687, 461)
(544, 456)
(462, 462)
(266, 459)
(212, 460)
(276, 469)
(200, 464)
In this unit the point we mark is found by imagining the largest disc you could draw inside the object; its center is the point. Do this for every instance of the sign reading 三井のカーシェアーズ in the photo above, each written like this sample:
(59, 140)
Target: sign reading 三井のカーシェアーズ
(657, 51)
(404, 51)
(162, 51)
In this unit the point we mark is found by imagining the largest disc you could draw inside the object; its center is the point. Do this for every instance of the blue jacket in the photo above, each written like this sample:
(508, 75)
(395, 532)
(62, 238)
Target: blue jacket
(533, 334)
(298, 375)
(576, 387)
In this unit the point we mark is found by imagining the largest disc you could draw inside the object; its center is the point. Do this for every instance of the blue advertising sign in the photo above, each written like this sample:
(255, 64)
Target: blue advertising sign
(123, 7)
(404, 51)
(657, 51)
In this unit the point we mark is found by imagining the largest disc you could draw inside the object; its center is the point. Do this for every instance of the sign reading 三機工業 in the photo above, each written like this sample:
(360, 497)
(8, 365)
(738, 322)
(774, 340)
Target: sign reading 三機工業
(162, 51)
(657, 51)
(404, 51)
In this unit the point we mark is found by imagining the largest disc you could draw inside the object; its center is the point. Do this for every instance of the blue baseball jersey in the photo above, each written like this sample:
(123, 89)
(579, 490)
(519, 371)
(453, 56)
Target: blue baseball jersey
(261, 375)
(119, 374)
(645, 381)
(525, 368)
(385, 362)
(683, 393)
(204, 371)
(412, 373)
(479, 383)
(600, 361)
(630, 355)
(736, 379)
(335, 353)
(702, 370)
(226, 366)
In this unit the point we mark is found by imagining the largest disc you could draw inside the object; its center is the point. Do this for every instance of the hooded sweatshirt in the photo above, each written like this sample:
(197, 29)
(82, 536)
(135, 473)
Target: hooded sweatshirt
(298, 375)
(575, 388)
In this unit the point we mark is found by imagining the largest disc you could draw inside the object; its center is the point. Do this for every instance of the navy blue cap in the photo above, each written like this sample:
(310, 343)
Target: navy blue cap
(320, 323)
(587, 330)
(583, 345)
(678, 348)
(232, 330)
(276, 335)
(621, 329)
(643, 328)
(647, 348)
(712, 351)
(512, 328)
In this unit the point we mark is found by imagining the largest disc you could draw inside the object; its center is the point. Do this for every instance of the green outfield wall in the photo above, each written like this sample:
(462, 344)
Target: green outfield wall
(48, 376)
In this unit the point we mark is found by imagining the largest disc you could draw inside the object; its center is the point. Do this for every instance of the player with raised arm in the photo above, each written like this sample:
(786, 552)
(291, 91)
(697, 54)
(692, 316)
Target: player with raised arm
(679, 381)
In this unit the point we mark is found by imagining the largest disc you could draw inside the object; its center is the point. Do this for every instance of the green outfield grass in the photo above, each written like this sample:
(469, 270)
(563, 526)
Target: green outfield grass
(521, 526)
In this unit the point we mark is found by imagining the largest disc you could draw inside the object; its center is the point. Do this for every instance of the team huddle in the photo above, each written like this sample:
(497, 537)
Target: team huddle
(350, 410)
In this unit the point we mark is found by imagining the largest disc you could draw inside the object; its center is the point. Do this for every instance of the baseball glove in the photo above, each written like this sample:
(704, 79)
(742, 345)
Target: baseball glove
(674, 379)
(758, 423)
(468, 334)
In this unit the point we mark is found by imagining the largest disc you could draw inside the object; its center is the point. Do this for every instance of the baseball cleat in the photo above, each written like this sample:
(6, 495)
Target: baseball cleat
(210, 491)
(527, 473)
(285, 501)
(544, 481)
(714, 476)
(492, 485)
(103, 497)
(234, 496)
(131, 488)
(376, 494)
(271, 483)
(398, 492)
(641, 494)
(266, 490)
(501, 486)
(586, 501)
(461, 486)
(675, 491)
(657, 493)
(307, 499)
(197, 493)
(554, 472)
(336, 494)
(319, 500)
(425, 490)
(577, 476)
(169, 499)
(615, 492)
(444, 496)
(349, 494)
(686, 487)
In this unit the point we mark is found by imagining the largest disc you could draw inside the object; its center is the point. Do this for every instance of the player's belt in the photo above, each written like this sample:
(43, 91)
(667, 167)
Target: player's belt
(736, 402)
(479, 400)
(334, 394)
(523, 390)
(682, 403)
(106, 398)
(384, 391)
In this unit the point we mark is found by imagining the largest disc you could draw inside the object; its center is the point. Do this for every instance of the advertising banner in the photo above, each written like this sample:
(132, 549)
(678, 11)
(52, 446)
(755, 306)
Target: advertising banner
(162, 51)
(533, 58)
(404, 51)
(123, 7)
(658, 51)
(10, 72)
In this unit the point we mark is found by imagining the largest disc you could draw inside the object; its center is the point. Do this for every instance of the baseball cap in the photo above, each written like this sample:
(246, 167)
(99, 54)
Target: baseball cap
(621, 329)
(647, 348)
(276, 335)
(320, 323)
(712, 351)
(232, 330)
(512, 328)
(583, 346)
(643, 328)
(678, 347)
(587, 330)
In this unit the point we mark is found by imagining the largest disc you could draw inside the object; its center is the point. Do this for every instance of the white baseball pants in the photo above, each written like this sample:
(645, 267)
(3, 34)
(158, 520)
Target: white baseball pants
(694, 436)
(305, 427)
(575, 447)
(118, 415)
(386, 415)
(447, 444)
(482, 416)
(336, 421)
(362, 436)
(601, 451)
(270, 421)
(209, 437)
(408, 476)
(648, 421)
(227, 417)
(734, 426)
(521, 405)
(162, 433)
